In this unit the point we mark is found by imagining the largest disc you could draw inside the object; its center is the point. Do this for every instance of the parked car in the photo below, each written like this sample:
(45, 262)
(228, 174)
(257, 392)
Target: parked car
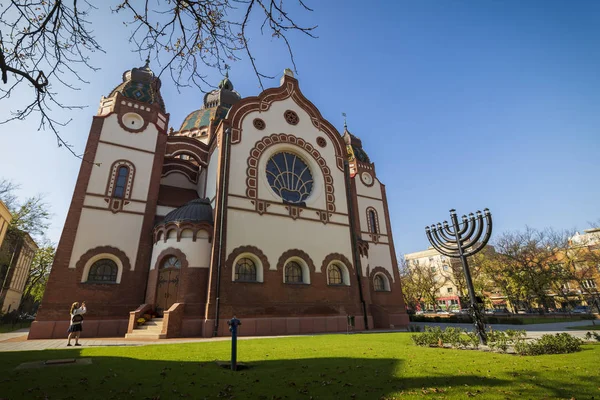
(581, 310)
(443, 312)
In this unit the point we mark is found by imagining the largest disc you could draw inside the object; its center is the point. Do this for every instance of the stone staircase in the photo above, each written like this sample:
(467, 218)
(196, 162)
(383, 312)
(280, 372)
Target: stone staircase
(150, 330)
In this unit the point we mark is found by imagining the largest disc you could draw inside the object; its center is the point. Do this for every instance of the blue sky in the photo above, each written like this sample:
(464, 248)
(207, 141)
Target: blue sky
(460, 104)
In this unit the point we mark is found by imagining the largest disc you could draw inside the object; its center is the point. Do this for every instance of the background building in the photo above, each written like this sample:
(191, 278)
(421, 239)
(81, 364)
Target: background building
(436, 271)
(19, 249)
(5, 218)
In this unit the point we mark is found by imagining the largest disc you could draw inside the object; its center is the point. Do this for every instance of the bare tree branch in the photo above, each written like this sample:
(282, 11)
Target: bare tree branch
(45, 45)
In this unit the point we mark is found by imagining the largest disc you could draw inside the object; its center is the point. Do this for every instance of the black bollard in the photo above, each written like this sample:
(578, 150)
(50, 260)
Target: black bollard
(233, 325)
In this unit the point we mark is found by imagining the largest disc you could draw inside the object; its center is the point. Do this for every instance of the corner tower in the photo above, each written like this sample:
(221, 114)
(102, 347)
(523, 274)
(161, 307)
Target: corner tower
(106, 244)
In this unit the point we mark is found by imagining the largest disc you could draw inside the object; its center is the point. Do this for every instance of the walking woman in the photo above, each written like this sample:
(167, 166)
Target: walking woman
(76, 320)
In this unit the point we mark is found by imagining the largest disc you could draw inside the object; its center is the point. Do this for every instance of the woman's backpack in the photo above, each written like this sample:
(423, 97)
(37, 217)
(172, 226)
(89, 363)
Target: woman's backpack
(77, 318)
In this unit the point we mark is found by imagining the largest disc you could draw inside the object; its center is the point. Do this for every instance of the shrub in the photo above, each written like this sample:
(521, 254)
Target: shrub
(141, 321)
(549, 344)
(431, 337)
(491, 320)
(452, 336)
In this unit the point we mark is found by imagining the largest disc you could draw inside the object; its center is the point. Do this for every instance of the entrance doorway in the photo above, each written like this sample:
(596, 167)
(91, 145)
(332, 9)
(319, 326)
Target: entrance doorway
(168, 284)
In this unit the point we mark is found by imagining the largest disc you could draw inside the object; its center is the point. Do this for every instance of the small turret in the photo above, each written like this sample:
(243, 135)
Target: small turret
(142, 85)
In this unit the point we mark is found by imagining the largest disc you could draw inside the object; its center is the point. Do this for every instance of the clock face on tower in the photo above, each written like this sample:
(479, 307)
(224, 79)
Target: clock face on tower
(366, 178)
(132, 121)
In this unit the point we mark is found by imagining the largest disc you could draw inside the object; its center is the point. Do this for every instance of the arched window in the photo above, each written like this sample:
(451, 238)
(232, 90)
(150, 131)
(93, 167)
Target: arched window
(103, 271)
(245, 270)
(293, 272)
(335, 275)
(372, 221)
(171, 262)
(121, 182)
(381, 283)
(120, 185)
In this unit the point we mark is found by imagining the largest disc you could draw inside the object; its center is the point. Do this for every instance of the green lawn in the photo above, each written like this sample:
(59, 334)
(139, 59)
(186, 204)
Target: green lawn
(360, 366)
(586, 327)
(4, 328)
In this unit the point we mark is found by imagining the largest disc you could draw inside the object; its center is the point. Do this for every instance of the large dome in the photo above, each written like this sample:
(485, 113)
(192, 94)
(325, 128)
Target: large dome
(197, 210)
(142, 85)
(215, 107)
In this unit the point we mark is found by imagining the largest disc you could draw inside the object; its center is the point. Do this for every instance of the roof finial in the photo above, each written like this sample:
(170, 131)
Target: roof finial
(345, 124)
(147, 60)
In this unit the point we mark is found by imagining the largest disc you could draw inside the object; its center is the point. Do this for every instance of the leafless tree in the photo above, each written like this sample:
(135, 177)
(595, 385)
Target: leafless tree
(45, 44)
(8, 193)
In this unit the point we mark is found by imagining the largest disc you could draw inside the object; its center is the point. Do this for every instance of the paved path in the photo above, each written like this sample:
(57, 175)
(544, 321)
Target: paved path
(17, 340)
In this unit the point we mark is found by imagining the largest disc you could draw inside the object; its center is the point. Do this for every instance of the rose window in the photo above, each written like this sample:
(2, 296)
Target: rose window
(289, 177)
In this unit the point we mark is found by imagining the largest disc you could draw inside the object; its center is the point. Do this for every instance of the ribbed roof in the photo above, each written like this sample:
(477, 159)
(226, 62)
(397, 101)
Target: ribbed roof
(197, 210)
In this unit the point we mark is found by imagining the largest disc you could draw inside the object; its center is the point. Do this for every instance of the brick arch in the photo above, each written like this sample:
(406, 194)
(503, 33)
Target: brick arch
(277, 138)
(288, 89)
(336, 257)
(235, 253)
(186, 145)
(171, 251)
(84, 260)
(120, 254)
(300, 254)
(188, 169)
(383, 271)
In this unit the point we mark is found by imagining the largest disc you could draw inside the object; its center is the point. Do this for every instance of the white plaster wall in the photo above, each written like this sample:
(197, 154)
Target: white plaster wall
(197, 253)
(275, 123)
(363, 204)
(371, 191)
(107, 155)
(103, 228)
(164, 210)
(274, 235)
(211, 179)
(177, 179)
(95, 201)
(380, 256)
(112, 132)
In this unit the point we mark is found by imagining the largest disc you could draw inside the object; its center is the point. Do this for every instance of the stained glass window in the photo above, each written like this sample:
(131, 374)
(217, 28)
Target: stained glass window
(121, 182)
(103, 271)
(335, 275)
(171, 262)
(293, 272)
(289, 177)
(379, 283)
(245, 270)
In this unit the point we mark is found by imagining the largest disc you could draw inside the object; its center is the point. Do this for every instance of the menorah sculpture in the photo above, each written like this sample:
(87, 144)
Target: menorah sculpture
(460, 241)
